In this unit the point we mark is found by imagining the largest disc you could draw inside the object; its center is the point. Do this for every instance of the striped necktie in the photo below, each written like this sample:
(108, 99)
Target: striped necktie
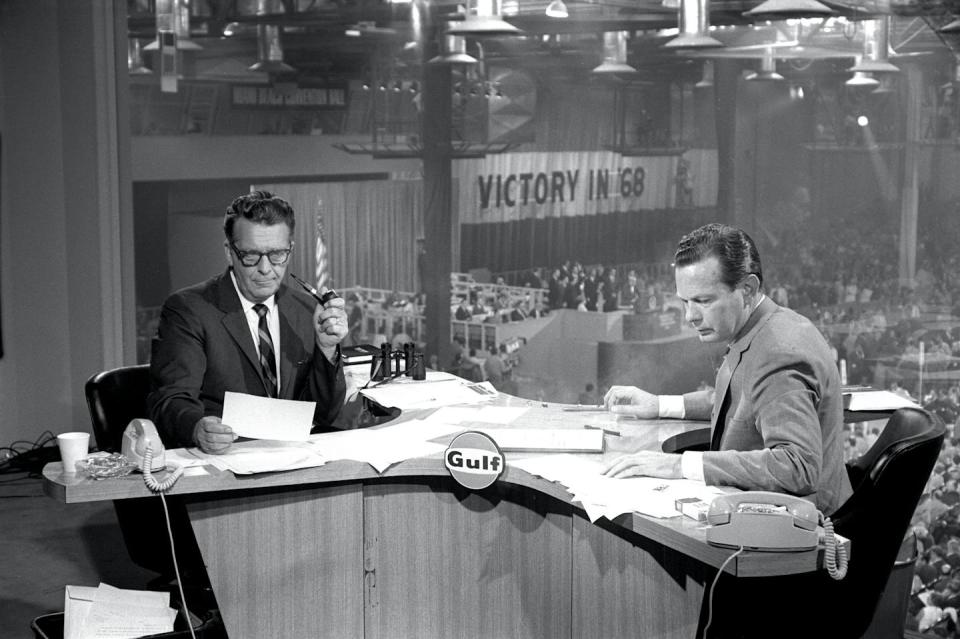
(268, 363)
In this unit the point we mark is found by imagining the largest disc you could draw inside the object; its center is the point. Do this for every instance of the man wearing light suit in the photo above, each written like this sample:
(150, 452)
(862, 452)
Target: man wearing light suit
(245, 331)
(777, 410)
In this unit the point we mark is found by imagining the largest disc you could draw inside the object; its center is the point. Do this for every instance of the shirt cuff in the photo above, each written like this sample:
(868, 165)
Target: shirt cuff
(691, 465)
(671, 406)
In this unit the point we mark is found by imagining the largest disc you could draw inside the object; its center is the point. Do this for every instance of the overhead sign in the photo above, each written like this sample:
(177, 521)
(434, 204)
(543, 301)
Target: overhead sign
(293, 97)
(512, 186)
(474, 460)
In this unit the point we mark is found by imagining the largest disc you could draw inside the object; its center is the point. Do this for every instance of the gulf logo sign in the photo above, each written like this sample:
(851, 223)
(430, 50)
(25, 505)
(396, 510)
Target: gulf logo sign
(474, 460)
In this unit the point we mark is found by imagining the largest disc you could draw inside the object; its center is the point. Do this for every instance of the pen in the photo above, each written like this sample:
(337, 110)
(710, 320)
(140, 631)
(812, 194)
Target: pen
(323, 299)
(584, 409)
(608, 431)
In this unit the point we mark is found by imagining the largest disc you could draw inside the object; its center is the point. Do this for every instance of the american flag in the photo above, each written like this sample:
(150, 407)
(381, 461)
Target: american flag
(321, 268)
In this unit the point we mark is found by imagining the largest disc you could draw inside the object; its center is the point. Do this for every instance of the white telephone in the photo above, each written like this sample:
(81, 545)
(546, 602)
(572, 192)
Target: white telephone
(142, 446)
(774, 522)
(139, 435)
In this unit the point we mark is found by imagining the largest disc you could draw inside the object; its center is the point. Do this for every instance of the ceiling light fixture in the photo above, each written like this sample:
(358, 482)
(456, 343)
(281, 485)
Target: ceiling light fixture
(174, 15)
(886, 85)
(768, 69)
(876, 47)
(785, 9)
(706, 81)
(862, 79)
(614, 54)
(270, 51)
(556, 9)
(135, 64)
(454, 51)
(694, 20)
(482, 18)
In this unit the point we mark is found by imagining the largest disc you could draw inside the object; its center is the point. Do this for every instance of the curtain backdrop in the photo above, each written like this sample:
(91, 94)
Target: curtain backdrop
(370, 228)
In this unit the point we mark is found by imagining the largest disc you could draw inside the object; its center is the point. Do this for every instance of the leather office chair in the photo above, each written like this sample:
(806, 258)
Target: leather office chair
(115, 397)
(887, 483)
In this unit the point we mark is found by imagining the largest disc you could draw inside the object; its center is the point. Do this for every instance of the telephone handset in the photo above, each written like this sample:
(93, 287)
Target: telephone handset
(139, 435)
(142, 446)
(773, 522)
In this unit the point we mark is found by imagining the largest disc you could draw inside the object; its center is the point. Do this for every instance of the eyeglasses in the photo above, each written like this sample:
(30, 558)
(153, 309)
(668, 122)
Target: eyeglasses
(252, 258)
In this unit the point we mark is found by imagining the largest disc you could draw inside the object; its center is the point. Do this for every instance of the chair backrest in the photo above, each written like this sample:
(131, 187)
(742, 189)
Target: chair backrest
(888, 481)
(114, 397)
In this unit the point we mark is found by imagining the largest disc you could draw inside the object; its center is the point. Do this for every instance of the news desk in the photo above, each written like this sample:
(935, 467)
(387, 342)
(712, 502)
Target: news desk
(342, 551)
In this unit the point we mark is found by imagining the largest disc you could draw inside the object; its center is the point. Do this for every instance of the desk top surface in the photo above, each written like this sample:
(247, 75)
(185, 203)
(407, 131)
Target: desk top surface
(680, 533)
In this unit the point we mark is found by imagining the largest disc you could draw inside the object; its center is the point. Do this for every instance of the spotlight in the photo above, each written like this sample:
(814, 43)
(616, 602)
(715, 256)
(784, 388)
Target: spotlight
(863, 120)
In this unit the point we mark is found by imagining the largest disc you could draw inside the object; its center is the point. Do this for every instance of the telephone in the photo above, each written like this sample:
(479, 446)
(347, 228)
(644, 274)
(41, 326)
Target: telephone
(142, 446)
(139, 435)
(762, 521)
(773, 522)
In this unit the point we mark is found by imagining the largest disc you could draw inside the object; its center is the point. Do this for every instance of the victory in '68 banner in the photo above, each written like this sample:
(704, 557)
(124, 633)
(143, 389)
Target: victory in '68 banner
(515, 186)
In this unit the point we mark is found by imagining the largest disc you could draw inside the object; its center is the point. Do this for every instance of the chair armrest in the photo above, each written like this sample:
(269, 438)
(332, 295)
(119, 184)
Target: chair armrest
(694, 440)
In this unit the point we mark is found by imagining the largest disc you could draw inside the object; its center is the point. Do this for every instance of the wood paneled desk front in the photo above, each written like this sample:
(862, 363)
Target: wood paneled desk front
(341, 551)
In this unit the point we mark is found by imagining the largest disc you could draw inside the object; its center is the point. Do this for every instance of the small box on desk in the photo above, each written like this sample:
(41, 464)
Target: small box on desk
(692, 507)
(359, 354)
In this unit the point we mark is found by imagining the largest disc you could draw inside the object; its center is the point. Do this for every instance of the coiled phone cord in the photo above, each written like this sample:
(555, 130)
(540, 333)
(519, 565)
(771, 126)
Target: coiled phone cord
(160, 487)
(152, 482)
(834, 553)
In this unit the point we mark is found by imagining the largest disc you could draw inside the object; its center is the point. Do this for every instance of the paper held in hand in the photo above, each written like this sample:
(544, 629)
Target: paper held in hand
(266, 418)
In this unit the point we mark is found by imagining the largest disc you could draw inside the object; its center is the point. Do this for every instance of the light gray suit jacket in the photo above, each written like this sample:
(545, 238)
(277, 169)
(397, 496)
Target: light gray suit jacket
(777, 412)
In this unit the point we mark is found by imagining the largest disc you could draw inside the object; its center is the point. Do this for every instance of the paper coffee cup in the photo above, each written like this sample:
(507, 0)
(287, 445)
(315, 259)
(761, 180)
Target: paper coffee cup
(73, 448)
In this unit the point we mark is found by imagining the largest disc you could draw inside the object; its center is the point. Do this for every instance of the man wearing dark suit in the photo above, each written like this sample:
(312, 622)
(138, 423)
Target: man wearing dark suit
(777, 410)
(244, 331)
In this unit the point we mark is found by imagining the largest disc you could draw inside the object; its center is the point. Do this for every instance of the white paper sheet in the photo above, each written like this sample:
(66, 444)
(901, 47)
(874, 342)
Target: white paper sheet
(106, 612)
(380, 448)
(603, 496)
(878, 400)
(546, 439)
(484, 414)
(266, 418)
(264, 455)
(185, 457)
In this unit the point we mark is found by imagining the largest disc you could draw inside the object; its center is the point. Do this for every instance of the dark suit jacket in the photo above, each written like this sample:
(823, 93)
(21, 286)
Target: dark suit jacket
(204, 348)
(778, 423)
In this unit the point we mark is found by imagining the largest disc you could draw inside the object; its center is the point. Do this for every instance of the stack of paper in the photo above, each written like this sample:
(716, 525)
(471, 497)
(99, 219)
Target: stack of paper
(263, 456)
(439, 389)
(105, 611)
(383, 447)
(603, 496)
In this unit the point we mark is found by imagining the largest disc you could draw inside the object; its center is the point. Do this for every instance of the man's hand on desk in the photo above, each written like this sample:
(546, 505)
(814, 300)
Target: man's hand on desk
(630, 400)
(212, 435)
(645, 463)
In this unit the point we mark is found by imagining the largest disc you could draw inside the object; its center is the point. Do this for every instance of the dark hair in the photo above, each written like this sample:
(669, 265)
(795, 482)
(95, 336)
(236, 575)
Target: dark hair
(734, 249)
(261, 207)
